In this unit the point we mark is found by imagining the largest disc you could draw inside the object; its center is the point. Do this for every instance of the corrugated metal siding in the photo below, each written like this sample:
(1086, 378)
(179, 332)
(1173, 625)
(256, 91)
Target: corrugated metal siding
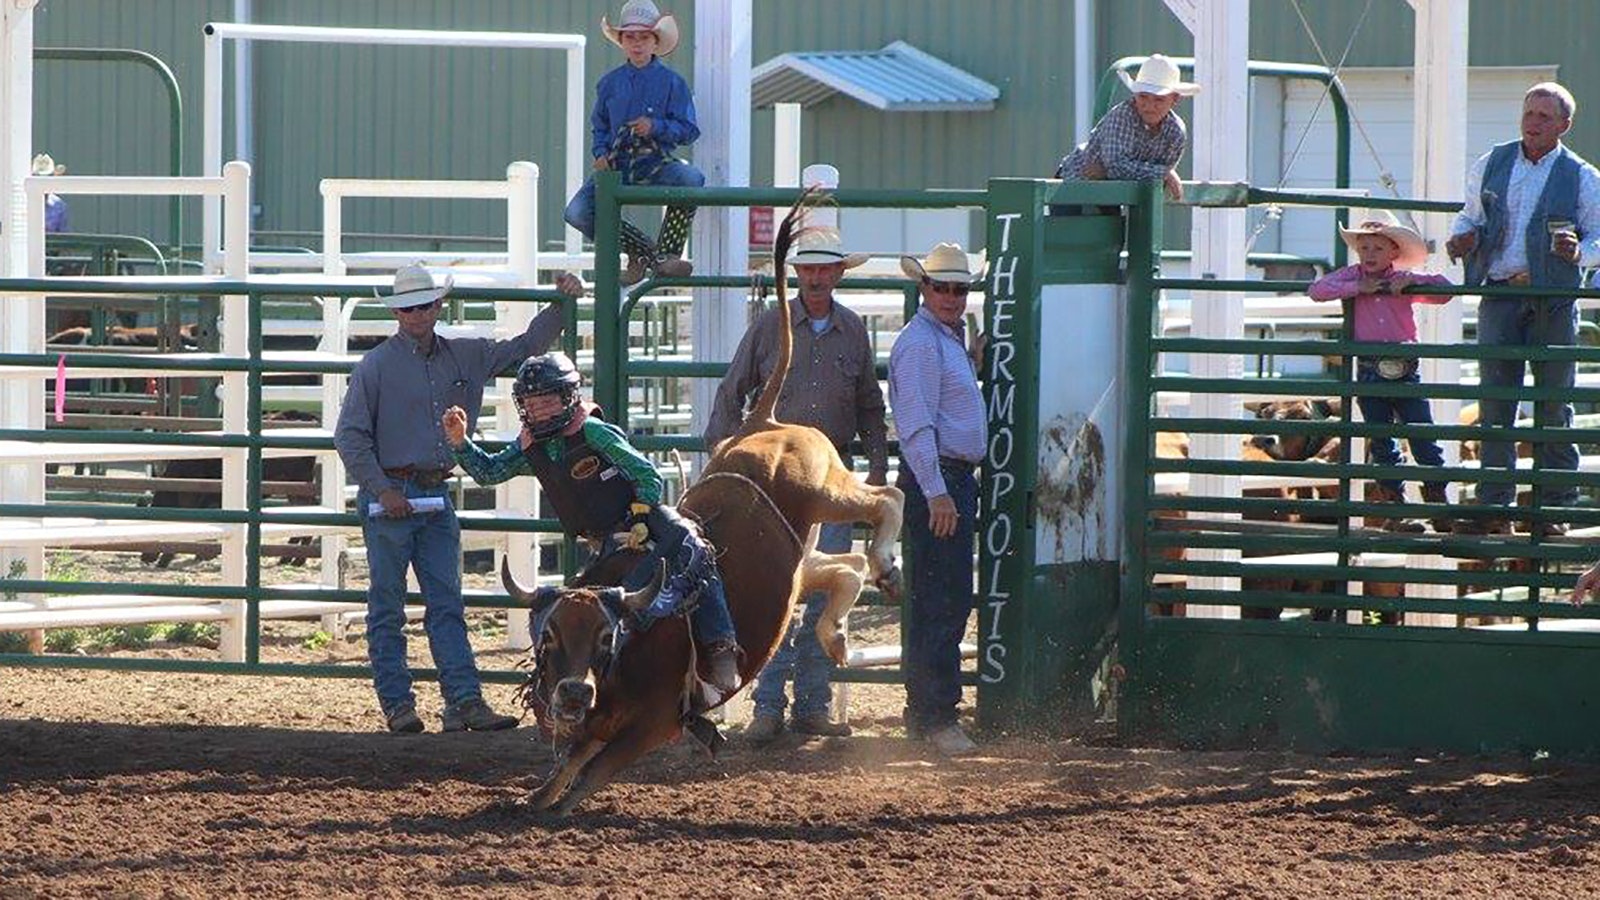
(104, 118)
(465, 114)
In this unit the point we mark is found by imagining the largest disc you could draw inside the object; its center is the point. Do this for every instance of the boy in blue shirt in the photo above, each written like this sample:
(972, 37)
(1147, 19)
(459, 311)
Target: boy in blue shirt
(599, 485)
(642, 112)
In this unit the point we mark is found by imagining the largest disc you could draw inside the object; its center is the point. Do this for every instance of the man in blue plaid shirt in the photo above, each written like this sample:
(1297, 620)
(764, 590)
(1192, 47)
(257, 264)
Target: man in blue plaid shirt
(1140, 138)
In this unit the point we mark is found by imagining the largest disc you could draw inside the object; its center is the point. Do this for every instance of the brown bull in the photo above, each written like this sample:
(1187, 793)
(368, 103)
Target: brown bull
(799, 468)
(606, 708)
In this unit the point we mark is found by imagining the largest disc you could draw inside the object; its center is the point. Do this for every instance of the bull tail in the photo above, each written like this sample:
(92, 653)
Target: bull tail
(762, 416)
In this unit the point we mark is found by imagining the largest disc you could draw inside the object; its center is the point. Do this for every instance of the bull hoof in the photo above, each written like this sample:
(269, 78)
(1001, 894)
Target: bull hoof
(892, 584)
(832, 641)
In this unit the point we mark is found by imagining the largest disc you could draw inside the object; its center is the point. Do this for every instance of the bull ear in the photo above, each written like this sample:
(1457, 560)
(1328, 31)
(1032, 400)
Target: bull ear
(535, 600)
(1335, 407)
(640, 600)
(1252, 406)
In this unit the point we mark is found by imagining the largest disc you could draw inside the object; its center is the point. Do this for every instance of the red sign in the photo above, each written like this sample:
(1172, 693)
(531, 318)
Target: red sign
(761, 228)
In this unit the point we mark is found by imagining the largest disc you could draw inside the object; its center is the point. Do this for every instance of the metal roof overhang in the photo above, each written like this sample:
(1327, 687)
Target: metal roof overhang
(897, 78)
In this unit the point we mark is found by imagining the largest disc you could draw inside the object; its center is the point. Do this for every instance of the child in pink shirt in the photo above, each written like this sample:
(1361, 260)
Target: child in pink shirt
(1386, 250)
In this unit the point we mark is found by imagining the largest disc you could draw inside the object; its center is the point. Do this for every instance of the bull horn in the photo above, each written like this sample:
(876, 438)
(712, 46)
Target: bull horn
(535, 600)
(640, 600)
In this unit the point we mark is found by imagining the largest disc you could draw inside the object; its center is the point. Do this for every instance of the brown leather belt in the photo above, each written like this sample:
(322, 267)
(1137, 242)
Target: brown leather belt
(424, 478)
(1518, 279)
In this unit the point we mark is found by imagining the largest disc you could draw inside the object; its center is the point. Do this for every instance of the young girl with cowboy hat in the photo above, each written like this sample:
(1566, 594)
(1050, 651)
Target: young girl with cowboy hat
(1387, 251)
(1140, 138)
(643, 111)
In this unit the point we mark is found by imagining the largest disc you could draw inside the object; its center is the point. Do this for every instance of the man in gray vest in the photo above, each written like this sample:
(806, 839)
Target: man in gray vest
(1531, 217)
(833, 387)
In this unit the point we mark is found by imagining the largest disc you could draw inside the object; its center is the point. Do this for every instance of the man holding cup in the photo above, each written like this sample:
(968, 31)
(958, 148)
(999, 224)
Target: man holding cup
(1531, 217)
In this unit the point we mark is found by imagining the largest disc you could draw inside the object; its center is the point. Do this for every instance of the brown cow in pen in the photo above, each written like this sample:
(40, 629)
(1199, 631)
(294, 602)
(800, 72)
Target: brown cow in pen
(607, 701)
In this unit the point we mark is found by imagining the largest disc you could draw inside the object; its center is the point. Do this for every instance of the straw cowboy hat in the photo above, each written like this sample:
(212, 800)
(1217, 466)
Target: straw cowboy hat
(1158, 75)
(642, 15)
(821, 246)
(44, 165)
(414, 286)
(1413, 250)
(945, 262)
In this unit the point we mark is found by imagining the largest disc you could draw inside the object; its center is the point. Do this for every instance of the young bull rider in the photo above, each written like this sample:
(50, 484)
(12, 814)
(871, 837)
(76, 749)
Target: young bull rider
(600, 486)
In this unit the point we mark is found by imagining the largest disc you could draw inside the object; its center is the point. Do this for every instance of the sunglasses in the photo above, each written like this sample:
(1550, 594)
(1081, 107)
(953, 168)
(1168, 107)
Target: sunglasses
(952, 288)
(416, 309)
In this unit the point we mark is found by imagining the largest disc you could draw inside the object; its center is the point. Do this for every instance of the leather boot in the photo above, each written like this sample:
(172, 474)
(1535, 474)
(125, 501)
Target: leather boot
(723, 660)
(1398, 524)
(1434, 492)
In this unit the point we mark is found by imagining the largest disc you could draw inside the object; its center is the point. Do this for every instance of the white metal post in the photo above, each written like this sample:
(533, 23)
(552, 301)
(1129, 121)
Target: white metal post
(211, 150)
(519, 494)
(721, 234)
(235, 412)
(1083, 68)
(335, 339)
(1438, 160)
(22, 327)
(577, 142)
(1218, 239)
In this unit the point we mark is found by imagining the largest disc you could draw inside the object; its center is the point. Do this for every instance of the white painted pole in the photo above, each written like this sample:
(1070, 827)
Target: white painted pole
(244, 115)
(1083, 68)
(1218, 238)
(577, 142)
(785, 151)
(1438, 163)
(519, 494)
(22, 327)
(211, 150)
(235, 412)
(335, 339)
(721, 234)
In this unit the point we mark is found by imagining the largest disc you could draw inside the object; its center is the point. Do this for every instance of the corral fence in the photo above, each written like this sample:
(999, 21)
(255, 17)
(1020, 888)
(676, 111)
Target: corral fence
(1257, 607)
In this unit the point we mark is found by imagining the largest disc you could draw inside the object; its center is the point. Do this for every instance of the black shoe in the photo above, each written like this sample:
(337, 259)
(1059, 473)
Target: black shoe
(474, 714)
(405, 721)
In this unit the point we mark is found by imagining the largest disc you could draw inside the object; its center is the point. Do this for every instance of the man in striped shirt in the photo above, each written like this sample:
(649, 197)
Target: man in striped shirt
(939, 415)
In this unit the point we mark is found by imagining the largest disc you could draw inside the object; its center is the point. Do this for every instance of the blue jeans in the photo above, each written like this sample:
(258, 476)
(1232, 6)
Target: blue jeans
(1515, 322)
(799, 654)
(941, 598)
(580, 209)
(430, 543)
(710, 618)
(1390, 410)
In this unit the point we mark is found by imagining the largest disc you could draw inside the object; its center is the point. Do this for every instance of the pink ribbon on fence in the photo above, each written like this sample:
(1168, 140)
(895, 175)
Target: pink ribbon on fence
(61, 388)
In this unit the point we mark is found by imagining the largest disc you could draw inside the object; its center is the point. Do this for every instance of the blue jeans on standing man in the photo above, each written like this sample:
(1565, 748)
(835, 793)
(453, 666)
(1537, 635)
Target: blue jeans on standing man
(430, 543)
(1390, 410)
(799, 654)
(1530, 322)
(941, 597)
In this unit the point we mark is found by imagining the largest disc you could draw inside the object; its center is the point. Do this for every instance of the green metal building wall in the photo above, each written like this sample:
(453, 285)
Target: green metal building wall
(426, 113)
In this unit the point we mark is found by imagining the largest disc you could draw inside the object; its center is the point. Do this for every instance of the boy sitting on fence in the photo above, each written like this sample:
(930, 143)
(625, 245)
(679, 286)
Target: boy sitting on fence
(642, 112)
(1387, 250)
(1140, 138)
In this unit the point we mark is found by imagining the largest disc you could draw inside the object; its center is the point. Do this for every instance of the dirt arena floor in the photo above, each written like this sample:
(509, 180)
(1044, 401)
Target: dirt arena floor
(134, 785)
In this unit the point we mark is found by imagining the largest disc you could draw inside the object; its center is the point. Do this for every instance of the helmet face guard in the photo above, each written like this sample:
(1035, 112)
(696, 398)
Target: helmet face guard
(551, 373)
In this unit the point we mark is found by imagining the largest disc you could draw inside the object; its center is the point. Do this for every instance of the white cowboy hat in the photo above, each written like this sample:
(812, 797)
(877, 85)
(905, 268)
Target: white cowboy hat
(945, 262)
(414, 286)
(821, 246)
(1413, 250)
(642, 15)
(44, 165)
(1158, 75)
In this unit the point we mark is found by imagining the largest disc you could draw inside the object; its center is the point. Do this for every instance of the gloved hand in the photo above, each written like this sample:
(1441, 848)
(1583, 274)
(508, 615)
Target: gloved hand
(638, 529)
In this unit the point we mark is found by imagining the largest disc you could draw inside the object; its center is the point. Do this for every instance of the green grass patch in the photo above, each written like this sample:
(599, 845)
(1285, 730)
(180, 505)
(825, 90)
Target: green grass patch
(319, 640)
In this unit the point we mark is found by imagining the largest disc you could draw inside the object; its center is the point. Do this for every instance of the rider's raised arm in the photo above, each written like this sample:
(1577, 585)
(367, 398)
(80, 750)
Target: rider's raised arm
(488, 469)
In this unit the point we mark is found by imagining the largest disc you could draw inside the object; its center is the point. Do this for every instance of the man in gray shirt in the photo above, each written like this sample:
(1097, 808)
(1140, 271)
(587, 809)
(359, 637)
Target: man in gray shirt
(833, 387)
(390, 439)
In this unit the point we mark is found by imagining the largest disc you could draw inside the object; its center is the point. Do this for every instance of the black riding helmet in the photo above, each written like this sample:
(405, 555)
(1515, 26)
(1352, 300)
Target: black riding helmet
(551, 373)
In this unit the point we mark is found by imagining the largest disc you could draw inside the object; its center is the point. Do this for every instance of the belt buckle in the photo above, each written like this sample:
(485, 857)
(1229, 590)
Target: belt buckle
(1520, 279)
(1393, 369)
(428, 478)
